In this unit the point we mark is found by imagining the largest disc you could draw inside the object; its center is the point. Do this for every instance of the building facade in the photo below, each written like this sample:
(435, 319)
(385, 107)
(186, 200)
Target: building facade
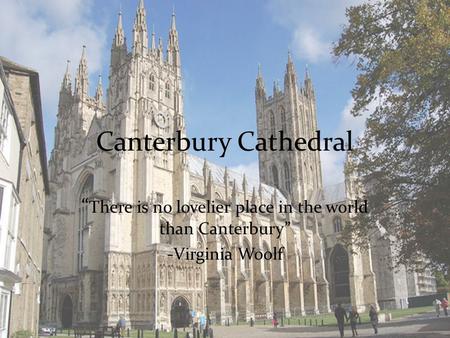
(33, 186)
(11, 146)
(103, 266)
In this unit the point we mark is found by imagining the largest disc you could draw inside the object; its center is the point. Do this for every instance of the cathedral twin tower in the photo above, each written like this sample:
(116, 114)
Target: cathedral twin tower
(100, 267)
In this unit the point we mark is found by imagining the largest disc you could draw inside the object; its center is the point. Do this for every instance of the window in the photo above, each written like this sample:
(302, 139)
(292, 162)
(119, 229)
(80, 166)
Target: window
(225, 270)
(266, 262)
(287, 177)
(1, 200)
(159, 198)
(272, 123)
(275, 176)
(340, 273)
(247, 267)
(10, 233)
(4, 300)
(151, 83)
(283, 119)
(83, 222)
(4, 116)
(337, 222)
(167, 92)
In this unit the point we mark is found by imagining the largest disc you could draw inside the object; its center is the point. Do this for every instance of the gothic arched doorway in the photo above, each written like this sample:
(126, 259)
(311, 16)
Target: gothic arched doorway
(180, 316)
(67, 312)
(340, 273)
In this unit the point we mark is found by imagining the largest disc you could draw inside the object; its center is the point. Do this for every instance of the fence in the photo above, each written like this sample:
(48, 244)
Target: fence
(426, 300)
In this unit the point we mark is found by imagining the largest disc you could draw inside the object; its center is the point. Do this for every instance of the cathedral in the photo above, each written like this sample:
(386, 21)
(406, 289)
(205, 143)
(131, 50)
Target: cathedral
(99, 267)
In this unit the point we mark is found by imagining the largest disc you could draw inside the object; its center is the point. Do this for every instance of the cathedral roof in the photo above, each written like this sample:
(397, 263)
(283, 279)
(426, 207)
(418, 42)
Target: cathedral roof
(196, 165)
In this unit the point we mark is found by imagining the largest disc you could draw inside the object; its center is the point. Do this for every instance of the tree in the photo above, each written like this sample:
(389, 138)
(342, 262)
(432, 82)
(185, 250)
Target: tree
(401, 49)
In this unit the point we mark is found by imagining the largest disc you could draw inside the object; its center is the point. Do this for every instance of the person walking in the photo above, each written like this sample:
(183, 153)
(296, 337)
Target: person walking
(437, 307)
(373, 315)
(120, 327)
(444, 305)
(354, 318)
(275, 320)
(340, 315)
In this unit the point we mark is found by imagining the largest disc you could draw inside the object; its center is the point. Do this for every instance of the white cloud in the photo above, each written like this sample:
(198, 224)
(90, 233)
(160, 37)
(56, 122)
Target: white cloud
(307, 43)
(332, 167)
(314, 24)
(333, 162)
(251, 170)
(44, 34)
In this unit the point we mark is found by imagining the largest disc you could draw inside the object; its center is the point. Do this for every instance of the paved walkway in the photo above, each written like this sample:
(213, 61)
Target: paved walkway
(419, 326)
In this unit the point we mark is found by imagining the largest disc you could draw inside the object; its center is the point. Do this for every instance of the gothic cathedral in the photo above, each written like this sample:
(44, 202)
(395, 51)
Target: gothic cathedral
(103, 266)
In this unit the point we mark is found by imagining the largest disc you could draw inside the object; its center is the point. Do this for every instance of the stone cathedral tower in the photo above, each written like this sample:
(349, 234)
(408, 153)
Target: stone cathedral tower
(291, 111)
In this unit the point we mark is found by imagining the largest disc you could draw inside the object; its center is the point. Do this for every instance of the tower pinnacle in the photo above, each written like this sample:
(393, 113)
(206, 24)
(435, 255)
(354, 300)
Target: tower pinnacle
(173, 50)
(173, 25)
(260, 90)
(99, 91)
(140, 36)
(119, 37)
(290, 78)
(67, 83)
(82, 79)
(153, 38)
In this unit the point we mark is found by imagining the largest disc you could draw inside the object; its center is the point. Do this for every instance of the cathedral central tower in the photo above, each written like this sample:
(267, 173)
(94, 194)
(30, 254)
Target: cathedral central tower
(293, 111)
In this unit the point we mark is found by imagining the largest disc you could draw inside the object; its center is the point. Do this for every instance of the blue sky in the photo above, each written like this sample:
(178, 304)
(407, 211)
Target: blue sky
(221, 44)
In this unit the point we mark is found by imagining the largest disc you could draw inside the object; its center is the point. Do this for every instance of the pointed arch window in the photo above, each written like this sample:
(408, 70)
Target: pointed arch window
(247, 266)
(287, 177)
(167, 91)
(272, 122)
(225, 269)
(266, 262)
(151, 82)
(83, 222)
(275, 176)
(337, 223)
(283, 119)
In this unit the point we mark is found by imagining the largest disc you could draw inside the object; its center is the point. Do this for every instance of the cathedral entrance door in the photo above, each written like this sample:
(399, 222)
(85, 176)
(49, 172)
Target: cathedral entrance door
(180, 315)
(67, 312)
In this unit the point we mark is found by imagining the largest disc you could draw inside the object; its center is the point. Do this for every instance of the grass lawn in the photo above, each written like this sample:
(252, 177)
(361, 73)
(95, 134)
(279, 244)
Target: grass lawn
(329, 319)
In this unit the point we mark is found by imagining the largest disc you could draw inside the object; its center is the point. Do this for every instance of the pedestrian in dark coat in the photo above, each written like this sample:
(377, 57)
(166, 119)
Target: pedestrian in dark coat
(373, 315)
(341, 316)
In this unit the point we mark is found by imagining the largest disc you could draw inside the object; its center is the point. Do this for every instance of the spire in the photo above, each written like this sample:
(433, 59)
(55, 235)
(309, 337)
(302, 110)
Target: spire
(276, 87)
(260, 90)
(290, 65)
(140, 37)
(82, 79)
(119, 37)
(290, 78)
(99, 91)
(173, 25)
(153, 38)
(173, 50)
(309, 89)
(67, 82)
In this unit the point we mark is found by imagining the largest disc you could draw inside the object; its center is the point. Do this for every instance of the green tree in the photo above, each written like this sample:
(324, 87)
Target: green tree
(442, 281)
(401, 49)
